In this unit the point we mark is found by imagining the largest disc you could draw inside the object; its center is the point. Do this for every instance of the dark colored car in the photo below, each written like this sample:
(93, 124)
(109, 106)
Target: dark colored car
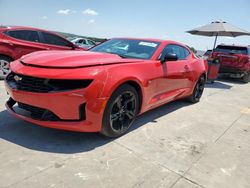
(104, 89)
(207, 54)
(234, 60)
(16, 41)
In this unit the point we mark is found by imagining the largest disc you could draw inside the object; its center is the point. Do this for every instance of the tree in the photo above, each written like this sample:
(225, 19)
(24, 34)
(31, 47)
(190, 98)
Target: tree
(193, 49)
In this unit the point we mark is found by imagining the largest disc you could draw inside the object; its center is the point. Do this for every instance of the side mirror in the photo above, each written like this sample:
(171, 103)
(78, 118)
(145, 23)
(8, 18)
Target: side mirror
(169, 57)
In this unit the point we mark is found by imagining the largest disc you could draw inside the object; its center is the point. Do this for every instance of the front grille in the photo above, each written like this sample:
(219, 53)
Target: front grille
(27, 83)
(39, 113)
(42, 85)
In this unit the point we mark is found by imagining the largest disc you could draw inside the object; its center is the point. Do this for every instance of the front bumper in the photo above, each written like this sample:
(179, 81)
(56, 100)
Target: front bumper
(65, 105)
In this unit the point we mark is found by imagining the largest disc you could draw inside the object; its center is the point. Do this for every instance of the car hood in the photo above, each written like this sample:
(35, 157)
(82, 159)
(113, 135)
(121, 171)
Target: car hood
(72, 59)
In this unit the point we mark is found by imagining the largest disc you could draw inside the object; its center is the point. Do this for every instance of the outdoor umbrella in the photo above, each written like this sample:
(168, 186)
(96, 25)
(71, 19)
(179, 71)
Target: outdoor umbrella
(218, 28)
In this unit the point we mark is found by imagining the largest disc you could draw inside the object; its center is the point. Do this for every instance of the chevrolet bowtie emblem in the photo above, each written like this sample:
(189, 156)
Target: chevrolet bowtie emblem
(17, 78)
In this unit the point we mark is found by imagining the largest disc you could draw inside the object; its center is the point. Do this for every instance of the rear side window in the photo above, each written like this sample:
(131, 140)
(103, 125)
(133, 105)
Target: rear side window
(82, 41)
(181, 52)
(55, 40)
(90, 42)
(27, 35)
(232, 49)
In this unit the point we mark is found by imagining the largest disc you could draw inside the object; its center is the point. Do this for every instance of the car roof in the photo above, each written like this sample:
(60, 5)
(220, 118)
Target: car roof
(232, 45)
(21, 27)
(4, 27)
(79, 38)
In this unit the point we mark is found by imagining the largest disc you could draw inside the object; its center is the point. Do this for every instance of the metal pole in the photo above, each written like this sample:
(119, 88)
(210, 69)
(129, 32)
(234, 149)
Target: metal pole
(215, 41)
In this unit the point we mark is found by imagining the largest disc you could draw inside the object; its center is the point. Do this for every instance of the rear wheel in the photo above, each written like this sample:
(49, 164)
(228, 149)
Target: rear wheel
(4, 66)
(120, 112)
(246, 78)
(198, 90)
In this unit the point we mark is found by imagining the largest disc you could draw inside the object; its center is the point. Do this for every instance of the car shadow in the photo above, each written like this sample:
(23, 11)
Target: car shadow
(218, 85)
(57, 141)
(231, 80)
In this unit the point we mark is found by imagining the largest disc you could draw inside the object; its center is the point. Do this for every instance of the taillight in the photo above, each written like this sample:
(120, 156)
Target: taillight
(246, 59)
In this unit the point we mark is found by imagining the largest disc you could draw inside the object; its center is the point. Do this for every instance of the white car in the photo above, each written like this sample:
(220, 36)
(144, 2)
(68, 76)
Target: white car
(83, 42)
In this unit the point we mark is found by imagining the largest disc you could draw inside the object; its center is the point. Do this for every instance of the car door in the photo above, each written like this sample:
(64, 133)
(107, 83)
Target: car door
(175, 78)
(55, 42)
(24, 42)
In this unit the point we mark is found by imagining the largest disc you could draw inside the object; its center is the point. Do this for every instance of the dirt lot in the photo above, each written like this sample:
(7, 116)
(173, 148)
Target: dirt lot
(177, 145)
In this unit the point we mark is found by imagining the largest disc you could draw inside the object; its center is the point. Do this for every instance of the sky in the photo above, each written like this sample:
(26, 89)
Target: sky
(161, 19)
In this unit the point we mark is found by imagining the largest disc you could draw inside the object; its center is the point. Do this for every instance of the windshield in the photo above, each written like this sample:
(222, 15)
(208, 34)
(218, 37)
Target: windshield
(231, 49)
(128, 48)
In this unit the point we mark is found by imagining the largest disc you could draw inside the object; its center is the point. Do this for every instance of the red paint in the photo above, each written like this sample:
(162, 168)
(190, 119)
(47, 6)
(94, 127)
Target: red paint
(233, 62)
(159, 83)
(16, 48)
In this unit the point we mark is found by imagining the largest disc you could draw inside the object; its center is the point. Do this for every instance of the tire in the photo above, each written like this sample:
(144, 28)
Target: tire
(4, 66)
(198, 90)
(246, 78)
(120, 112)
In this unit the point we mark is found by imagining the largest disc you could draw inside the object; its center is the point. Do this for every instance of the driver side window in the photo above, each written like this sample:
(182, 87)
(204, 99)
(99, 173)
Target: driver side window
(181, 52)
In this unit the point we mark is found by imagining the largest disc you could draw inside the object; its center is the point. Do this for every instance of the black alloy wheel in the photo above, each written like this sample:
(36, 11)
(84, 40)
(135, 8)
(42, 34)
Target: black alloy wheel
(198, 90)
(120, 111)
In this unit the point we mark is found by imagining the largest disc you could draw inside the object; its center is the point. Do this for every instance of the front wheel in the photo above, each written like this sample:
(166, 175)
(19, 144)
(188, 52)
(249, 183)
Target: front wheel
(120, 112)
(198, 90)
(4, 66)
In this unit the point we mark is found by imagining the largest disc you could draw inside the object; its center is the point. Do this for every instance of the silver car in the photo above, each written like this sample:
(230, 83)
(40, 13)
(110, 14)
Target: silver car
(83, 42)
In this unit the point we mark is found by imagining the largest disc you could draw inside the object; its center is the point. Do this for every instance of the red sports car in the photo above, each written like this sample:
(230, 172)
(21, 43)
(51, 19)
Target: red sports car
(104, 89)
(16, 41)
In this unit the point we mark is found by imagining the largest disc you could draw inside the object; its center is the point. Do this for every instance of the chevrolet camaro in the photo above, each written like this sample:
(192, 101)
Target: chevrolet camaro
(103, 89)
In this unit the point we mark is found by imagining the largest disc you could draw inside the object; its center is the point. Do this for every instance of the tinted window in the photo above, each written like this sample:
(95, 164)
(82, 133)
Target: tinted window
(181, 52)
(249, 51)
(55, 40)
(231, 49)
(128, 48)
(27, 35)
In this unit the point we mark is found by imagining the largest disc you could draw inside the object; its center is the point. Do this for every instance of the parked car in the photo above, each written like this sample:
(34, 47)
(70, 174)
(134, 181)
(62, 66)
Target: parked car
(207, 54)
(16, 41)
(83, 42)
(234, 61)
(104, 89)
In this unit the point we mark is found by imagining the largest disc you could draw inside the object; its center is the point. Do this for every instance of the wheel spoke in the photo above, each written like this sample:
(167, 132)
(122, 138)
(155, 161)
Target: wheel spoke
(119, 102)
(114, 117)
(130, 114)
(131, 99)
